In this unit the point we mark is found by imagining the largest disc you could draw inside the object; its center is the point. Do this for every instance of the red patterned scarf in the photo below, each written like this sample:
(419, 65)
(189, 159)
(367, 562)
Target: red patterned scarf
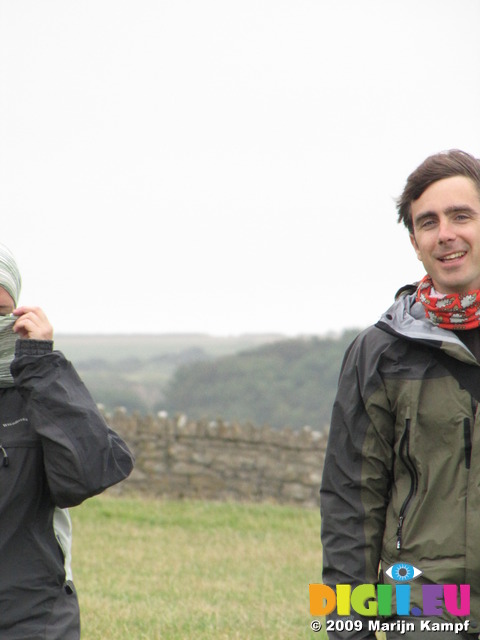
(451, 310)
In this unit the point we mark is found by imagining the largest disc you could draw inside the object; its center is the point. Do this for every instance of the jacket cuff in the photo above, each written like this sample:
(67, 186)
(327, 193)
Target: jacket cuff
(26, 347)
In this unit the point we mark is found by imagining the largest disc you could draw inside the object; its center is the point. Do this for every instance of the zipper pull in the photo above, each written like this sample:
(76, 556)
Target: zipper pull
(6, 461)
(399, 532)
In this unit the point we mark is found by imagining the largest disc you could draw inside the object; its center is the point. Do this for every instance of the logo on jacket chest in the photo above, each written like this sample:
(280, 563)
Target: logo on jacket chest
(14, 423)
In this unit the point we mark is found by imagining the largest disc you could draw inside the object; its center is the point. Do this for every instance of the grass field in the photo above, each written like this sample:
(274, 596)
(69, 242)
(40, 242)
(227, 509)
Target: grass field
(151, 570)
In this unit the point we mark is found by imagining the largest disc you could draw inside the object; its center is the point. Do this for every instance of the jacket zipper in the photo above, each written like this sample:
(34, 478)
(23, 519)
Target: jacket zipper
(467, 436)
(405, 457)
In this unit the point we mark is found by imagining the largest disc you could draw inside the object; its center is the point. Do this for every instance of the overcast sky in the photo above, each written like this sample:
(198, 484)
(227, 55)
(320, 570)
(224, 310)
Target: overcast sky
(224, 166)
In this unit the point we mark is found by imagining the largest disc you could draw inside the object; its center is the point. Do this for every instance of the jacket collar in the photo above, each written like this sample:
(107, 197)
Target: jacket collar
(406, 318)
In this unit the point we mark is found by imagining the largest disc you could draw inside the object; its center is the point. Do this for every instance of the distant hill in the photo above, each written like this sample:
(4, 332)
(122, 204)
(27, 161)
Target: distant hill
(118, 347)
(286, 383)
(264, 379)
(131, 371)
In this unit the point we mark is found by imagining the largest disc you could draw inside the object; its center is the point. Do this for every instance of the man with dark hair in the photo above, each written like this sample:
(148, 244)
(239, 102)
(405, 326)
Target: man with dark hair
(55, 451)
(400, 496)
(437, 167)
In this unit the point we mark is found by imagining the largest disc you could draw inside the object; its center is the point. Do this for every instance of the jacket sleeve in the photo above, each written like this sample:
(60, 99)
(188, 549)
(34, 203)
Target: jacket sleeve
(82, 455)
(356, 477)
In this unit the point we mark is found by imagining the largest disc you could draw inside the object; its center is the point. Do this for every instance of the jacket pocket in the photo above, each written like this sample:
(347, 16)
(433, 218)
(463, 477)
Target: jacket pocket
(404, 454)
(64, 623)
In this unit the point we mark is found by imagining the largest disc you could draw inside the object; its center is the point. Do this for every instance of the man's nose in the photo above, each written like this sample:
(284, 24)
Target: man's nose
(446, 231)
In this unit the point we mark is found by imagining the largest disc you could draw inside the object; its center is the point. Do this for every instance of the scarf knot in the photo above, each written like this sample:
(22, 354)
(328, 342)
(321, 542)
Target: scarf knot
(451, 310)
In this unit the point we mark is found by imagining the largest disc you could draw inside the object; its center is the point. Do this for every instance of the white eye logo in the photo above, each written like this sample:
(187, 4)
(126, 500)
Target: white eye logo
(403, 572)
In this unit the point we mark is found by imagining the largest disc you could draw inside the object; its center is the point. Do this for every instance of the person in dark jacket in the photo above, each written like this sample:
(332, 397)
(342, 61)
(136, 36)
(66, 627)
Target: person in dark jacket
(400, 495)
(55, 451)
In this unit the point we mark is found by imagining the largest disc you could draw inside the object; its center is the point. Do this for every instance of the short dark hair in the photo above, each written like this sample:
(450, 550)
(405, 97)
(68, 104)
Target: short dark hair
(446, 164)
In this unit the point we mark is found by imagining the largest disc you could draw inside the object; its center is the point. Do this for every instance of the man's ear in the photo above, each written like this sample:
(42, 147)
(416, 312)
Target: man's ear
(415, 246)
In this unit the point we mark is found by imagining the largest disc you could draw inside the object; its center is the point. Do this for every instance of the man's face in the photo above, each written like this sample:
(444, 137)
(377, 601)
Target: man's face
(446, 234)
(6, 302)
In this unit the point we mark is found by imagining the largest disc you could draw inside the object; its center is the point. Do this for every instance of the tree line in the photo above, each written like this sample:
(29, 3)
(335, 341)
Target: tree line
(288, 383)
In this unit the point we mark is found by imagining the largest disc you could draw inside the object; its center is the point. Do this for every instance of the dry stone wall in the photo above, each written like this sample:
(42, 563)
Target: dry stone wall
(179, 458)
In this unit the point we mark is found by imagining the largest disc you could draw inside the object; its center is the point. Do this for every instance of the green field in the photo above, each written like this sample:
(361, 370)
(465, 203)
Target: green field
(151, 570)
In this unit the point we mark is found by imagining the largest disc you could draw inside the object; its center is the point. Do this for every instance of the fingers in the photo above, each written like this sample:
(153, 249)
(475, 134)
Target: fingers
(32, 324)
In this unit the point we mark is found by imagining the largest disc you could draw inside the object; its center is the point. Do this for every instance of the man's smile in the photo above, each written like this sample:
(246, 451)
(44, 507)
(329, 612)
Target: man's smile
(452, 256)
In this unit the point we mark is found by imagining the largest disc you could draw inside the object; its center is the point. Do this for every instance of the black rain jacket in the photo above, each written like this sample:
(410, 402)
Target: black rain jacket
(55, 451)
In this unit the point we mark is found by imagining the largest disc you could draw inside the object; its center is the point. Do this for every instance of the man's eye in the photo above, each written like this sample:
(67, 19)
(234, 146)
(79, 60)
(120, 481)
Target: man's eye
(403, 572)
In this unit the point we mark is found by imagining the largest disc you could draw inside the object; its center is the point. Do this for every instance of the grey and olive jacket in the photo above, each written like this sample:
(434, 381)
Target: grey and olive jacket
(401, 480)
(55, 451)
